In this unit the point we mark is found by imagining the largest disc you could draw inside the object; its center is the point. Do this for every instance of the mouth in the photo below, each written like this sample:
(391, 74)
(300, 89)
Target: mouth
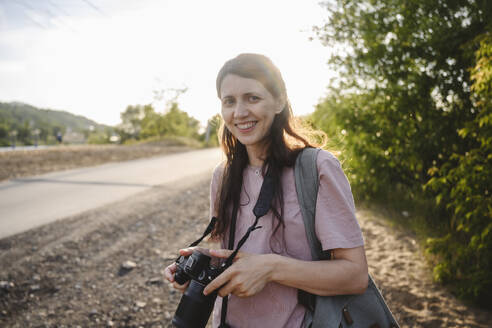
(246, 126)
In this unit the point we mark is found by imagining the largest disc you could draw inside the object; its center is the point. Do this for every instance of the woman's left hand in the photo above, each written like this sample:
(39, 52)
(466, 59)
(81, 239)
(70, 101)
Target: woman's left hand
(246, 277)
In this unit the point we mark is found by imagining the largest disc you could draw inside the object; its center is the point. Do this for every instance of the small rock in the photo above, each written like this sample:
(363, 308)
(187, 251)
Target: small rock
(155, 281)
(126, 267)
(405, 214)
(34, 288)
(6, 285)
(110, 323)
(93, 312)
(36, 277)
(167, 315)
(140, 304)
(129, 265)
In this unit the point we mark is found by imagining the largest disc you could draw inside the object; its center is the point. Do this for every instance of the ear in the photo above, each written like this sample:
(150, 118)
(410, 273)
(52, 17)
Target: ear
(280, 105)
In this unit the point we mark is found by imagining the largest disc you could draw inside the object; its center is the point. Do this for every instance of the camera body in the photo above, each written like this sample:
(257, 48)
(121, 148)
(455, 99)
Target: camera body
(194, 309)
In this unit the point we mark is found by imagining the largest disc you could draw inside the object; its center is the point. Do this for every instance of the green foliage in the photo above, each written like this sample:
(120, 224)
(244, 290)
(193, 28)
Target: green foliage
(143, 122)
(413, 118)
(100, 137)
(131, 121)
(176, 122)
(210, 136)
(21, 122)
(463, 185)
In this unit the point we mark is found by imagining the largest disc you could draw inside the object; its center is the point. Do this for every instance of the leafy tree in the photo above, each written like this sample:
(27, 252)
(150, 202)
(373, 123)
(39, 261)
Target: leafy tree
(210, 135)
(410, 113)
(141, 122)
(464, 185)
(178, 123)
(131, 122)
(151, 122)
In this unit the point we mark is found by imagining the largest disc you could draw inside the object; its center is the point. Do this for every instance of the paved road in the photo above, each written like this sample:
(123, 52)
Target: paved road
(26, 203)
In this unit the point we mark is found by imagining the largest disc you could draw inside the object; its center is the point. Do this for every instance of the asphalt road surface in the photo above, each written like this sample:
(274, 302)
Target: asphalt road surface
(26, 203)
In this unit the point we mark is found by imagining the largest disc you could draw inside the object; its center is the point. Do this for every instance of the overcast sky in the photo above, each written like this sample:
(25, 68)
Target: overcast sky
(95, 57)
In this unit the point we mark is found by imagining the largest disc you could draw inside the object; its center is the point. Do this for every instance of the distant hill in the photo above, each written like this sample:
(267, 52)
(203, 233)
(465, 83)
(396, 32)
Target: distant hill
(26, 121)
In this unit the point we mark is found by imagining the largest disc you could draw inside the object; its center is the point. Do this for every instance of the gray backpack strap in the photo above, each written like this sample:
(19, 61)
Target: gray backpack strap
(366, 310)
(307, 184)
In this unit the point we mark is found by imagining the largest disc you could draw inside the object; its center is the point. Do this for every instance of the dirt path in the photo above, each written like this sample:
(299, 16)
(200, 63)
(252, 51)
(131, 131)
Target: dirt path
(396, 264)
(68, 274)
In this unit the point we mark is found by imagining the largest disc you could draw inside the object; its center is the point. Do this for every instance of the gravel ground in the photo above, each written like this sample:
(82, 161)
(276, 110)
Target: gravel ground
(70, 273)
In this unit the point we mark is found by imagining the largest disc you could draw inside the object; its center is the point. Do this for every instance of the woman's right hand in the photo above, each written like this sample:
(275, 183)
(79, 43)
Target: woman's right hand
(171, 269)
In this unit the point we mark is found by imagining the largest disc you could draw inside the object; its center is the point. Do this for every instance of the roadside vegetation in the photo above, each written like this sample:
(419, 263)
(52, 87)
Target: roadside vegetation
(25, 125)
(412, 115)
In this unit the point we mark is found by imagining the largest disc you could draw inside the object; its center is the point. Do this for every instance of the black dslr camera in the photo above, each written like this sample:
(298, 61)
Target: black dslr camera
(194, 309)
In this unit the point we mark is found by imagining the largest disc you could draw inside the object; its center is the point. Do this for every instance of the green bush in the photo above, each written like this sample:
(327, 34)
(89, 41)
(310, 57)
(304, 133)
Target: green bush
(411, 112)
(463, 186)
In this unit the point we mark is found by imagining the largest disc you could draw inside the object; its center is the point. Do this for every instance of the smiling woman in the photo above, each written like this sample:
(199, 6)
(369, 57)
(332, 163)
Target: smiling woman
(248, 109)
(259, 137)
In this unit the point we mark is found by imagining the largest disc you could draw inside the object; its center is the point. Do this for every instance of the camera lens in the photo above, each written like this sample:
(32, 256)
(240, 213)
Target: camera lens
(194, 309)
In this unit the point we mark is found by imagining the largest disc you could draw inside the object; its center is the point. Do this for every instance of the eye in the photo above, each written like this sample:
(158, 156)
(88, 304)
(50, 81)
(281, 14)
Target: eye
(227, 102)
(253, 98)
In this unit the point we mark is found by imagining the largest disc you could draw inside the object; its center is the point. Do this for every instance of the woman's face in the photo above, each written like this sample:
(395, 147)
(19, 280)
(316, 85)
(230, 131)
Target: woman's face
(248, 109)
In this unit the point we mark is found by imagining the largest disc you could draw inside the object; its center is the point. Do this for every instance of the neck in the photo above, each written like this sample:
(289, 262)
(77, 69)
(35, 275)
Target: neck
(256, 155)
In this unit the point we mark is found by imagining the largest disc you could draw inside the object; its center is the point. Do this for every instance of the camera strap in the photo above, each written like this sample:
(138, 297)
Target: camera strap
(208, 230)
(261, 208)
(225, 299)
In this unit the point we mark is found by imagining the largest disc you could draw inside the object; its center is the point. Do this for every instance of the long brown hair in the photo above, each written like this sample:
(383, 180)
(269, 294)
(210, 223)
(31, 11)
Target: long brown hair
(286, 138)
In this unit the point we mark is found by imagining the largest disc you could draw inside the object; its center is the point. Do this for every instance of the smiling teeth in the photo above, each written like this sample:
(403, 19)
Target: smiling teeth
(244, 126)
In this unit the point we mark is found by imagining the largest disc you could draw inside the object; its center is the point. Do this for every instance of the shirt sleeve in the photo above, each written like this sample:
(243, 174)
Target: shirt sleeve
(336, 224)
(214, 187)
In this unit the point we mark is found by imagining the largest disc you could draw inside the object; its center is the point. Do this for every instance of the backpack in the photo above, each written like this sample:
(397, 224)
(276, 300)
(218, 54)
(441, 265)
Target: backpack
(368, 310)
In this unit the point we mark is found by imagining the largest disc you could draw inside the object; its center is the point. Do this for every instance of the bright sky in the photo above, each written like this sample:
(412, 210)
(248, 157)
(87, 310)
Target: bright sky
(95, 57)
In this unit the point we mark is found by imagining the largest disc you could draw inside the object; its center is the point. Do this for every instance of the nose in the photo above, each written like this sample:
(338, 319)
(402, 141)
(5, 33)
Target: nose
(241, 110)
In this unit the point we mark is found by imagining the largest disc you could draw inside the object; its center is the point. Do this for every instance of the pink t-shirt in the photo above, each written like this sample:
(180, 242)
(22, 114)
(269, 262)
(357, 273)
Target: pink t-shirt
(336, 227)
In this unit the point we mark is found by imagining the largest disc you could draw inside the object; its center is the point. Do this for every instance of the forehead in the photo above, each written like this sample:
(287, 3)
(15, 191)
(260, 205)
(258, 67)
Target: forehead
(235, 85)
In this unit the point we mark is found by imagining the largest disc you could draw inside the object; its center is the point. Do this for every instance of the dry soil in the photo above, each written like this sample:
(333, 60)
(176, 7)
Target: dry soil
(69, 273)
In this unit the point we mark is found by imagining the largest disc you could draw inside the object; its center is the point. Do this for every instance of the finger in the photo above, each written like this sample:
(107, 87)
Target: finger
(221, 253)
(169, 272)
(217, 282)
(226, 290)
(188, 250)
(182, 287)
